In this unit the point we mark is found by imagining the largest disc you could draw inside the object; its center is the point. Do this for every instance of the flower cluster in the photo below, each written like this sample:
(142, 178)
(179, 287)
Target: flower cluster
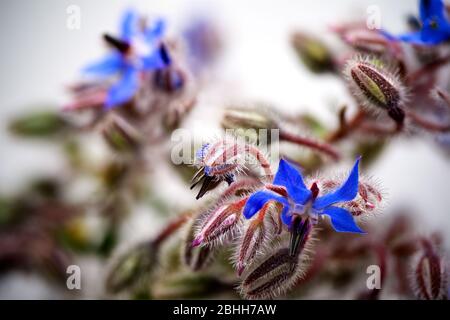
(261, 218)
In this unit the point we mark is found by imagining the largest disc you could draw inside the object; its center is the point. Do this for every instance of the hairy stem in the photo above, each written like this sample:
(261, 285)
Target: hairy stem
(317, 146)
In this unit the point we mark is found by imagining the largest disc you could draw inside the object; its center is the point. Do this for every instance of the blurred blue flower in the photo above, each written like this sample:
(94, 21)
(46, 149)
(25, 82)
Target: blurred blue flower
(303, 201)
(435, 27)
(138, 49)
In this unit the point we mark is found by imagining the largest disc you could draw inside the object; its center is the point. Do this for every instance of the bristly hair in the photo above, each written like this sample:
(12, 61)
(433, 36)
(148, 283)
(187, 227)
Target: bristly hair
(375, 83)
(275, 272)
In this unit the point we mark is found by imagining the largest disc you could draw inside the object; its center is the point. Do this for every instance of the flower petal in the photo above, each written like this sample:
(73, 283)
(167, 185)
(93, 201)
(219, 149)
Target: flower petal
(123, 90)
(431, 9)
(129, 24)
(258, 199)
(156, 31)
(289, 177)
(346, 192)
(110, 65)
(342, 220)
(155, 60)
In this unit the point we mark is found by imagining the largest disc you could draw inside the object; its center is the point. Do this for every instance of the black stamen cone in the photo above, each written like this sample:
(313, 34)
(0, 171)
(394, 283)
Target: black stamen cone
(164, 55)
(209, 183)
(299, 232)
(120, 45)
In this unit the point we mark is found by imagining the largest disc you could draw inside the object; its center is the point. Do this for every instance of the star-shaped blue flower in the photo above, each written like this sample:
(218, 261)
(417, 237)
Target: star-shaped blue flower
(302, 201)
(435, 25)
(140, 50)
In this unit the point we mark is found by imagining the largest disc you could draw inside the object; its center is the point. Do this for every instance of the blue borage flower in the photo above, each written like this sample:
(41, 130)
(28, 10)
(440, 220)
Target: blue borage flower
(298, 200)
(138, 49)
(435, 25)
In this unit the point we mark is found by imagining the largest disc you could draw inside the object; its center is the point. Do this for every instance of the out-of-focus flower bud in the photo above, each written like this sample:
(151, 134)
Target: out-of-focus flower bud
(6, 210)
(376, 87)
(133, 268)
(430, 277)
(367, 41)
(187, 286)
(121, 135)
(313, 53)
(248, 118)
(42, 124)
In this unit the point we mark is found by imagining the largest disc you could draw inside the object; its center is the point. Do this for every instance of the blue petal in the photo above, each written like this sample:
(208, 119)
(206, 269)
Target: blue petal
(258, 199)
(431, 9)
(106, 67)
(155, 60)
(129, 24)
(156, 31)
(290, 177)
(123, 90)
(346, 192)
(342, 220)
(286, 216)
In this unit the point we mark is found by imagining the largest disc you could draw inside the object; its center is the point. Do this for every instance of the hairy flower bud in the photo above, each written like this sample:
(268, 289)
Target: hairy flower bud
(219, 223)
(369, 200)
(272, 277)
(430, 276)
(196, 258)
(276, 271)
(253, 239)
(376, 87)
(313, 53)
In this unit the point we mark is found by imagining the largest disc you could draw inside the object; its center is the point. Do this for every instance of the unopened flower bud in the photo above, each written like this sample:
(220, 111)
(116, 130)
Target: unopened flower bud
(313, 53)
(369, 200)
(133, 267)
(368, 41)
(120, 134)
(274, 275)
(430, 276)
(248, 118)
(219, 223)
(376, 87)
(39, 124)
(187, 286)
(251, 242)
(194, 256)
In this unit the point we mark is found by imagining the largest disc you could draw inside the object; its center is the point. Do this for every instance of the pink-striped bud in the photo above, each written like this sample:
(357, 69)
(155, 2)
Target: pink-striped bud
(219, 224)
(430, 276)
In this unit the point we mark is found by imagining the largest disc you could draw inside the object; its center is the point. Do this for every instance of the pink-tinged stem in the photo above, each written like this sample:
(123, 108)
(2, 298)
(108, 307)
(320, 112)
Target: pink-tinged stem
(426, 69)
(428, 124)
(346, 127)
(171, 228)
(317, 146)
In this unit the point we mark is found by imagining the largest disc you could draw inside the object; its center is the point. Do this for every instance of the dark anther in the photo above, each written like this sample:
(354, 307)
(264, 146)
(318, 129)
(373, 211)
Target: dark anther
(120, 45)
(299, 234)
